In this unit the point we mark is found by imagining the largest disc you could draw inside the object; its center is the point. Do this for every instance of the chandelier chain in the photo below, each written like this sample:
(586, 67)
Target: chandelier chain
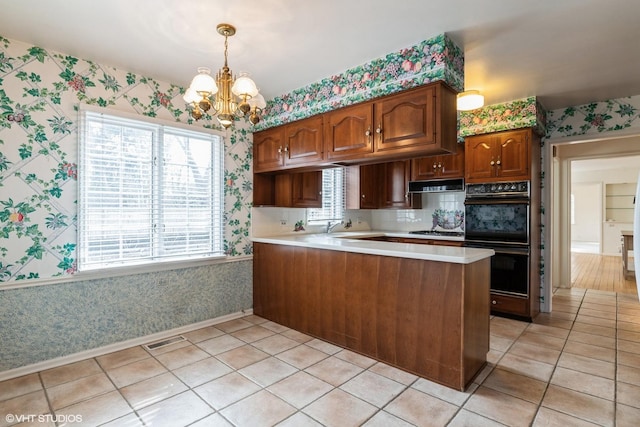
(226, 47)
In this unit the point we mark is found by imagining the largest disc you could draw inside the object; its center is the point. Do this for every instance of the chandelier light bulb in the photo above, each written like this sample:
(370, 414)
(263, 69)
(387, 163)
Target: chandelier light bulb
(191, 96)
(225, 120)
(257, 102)
(244, 86)
(203, 83)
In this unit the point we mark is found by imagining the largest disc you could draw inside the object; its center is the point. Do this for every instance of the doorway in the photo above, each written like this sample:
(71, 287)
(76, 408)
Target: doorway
(561, 154)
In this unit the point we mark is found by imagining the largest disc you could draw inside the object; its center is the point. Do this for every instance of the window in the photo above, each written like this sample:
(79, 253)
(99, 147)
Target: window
(333, 197)
(148, 192)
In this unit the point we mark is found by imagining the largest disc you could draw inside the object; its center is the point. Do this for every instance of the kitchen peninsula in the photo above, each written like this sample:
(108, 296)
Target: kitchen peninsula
(421, 308)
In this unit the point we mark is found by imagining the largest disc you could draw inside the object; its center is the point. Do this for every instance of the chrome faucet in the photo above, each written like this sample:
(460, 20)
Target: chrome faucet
(330, 227)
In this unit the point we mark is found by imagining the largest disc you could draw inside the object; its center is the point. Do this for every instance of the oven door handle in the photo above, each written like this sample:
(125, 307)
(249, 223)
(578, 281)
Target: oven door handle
(485, 201)
(511, 251)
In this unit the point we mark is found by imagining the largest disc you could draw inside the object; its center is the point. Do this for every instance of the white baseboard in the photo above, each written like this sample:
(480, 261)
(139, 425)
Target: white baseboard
(94, 352)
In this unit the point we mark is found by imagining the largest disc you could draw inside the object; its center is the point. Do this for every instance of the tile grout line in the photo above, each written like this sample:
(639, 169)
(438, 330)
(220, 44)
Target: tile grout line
(555, 366)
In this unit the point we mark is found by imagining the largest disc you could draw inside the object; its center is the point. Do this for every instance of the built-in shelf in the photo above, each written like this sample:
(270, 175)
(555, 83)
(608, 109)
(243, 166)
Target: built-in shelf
(619, 199)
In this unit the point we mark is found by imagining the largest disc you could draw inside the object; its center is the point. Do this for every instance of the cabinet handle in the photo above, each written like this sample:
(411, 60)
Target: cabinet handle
(379, 129)
(435, 166)
(363, 196)
(280, 150)
(439, 165)
(498, 162)
(286, 149)
(494, 302)
(368, 132)
(492, 163)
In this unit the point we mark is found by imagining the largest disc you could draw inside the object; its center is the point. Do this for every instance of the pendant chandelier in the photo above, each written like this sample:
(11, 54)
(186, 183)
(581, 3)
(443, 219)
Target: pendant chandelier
(226, 96)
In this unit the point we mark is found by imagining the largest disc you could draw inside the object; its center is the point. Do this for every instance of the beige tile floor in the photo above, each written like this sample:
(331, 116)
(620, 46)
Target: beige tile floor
(579, 366)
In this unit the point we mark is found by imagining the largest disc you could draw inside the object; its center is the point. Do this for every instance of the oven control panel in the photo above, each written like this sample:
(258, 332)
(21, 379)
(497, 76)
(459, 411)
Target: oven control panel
(504, 189)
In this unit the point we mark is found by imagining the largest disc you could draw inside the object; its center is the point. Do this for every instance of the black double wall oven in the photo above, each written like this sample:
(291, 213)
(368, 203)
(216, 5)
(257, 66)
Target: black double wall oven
(497, 216)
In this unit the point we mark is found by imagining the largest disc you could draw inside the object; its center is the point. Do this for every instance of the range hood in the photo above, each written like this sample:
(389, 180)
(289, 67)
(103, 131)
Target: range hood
(436, 185)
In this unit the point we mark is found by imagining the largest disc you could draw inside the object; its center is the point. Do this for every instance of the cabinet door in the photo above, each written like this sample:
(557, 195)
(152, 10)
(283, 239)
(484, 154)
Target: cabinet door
(303, 141)
(395, 177)
(479, 156)
(348, 132)
(369, 187)
(307, 190)
(406, 121)
(267, 149)
(424, 168)
(452, 165)
(443, 166)
(283, 190)
(512, 159)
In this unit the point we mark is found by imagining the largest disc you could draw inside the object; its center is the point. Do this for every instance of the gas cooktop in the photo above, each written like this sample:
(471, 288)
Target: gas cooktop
(438, 233)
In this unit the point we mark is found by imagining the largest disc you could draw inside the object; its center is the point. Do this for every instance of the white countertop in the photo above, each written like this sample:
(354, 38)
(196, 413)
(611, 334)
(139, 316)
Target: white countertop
(353, 242)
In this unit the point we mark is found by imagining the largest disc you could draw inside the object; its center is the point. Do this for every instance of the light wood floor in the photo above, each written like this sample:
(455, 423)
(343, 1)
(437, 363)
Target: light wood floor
(599, 272)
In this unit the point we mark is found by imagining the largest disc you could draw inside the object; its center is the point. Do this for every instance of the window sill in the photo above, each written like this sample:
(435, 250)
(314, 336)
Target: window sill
(122, 271)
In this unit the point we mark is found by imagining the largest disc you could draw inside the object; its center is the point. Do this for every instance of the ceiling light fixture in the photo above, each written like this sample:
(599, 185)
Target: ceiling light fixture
(227, 96)
(470, 100)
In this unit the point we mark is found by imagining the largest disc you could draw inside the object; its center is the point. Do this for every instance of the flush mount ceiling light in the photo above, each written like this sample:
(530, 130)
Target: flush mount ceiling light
(470, 100)
(226, 96)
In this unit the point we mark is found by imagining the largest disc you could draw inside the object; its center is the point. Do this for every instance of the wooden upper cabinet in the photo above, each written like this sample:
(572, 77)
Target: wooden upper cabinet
(368, 186)
(381, 185)
(348, 132)
(295, 144)
(307, 190)
(298, 190)
(418, 120)
(405, 120)
(435, 167)
(395, 178)
(283, 190)
(303, 142)
(267, 149)
(514, 155)
(498, 156)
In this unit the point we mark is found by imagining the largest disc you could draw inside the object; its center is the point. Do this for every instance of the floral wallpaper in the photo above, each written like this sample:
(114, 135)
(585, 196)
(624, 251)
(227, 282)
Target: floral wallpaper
(596, 117)
(39, 96)
(437, 58)
(521, 113)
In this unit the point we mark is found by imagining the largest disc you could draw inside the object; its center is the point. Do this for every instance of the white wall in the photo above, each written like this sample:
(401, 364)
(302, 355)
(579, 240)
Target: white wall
(587, 199)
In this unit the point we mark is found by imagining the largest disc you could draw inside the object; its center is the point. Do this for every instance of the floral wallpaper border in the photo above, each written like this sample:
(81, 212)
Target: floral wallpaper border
(595, 117)
(435, 59)
(521, 113)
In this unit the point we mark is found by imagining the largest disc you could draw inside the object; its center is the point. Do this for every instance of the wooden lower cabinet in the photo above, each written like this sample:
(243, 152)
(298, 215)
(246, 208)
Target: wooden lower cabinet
(426, 317)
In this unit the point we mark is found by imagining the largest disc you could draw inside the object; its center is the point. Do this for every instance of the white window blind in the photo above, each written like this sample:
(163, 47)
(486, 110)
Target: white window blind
(148, 192)
(333, 197)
